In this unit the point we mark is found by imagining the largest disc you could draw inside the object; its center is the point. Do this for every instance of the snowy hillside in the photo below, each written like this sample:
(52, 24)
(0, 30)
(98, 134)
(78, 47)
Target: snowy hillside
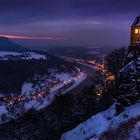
(93, 128)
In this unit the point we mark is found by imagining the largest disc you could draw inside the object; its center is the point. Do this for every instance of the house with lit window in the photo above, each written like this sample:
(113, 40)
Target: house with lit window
(135, 39)
(135, 31)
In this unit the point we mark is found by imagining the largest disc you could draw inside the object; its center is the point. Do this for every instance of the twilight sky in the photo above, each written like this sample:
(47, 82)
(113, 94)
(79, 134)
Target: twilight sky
(68, 22)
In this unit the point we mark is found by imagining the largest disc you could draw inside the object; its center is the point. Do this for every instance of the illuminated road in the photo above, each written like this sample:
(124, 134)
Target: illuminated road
(89, 80)
(89, 67)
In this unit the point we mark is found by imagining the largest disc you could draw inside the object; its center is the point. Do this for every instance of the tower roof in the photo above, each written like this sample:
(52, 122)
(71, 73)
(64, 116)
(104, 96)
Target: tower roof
(136, 22)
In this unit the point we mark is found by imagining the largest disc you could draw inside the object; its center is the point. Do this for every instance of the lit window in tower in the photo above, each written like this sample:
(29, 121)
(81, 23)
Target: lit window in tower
(136, 31)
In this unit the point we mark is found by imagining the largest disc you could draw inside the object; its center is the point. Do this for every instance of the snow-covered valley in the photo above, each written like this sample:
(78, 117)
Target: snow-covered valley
(40, 96)
(39, 89)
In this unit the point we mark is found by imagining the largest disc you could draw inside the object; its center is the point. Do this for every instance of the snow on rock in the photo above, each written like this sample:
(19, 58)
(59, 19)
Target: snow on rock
(130, 112)
(1, 95)
(29, 105)
(26, 88)
(101, 122)
(2, 53)
(135, 134)
(63, 76)
(3, 109)
(33, 55)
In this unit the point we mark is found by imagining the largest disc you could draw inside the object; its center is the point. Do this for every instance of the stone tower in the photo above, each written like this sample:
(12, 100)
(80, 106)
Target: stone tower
(128, 92)
(135, 32)
(134, 48)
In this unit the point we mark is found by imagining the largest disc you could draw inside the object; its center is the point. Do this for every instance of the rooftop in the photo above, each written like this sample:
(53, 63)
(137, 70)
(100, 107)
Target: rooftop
(136, 22)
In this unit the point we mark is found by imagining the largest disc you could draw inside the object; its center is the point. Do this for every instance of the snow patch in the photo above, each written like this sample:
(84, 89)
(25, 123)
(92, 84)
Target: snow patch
(20, 55)
(135, 134)
(103, 121)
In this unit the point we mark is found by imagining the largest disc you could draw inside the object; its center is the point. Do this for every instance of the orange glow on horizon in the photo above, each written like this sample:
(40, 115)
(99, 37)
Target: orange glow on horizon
(31, 37)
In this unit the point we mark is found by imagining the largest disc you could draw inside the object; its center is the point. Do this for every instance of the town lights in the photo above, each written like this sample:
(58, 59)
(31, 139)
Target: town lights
(11, 101)
(39, 94)
(108, 78)
(19, 99)
(34, 97)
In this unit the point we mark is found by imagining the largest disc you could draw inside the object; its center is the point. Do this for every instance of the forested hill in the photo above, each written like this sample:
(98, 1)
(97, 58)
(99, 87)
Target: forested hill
(17, 70)
(7, 45)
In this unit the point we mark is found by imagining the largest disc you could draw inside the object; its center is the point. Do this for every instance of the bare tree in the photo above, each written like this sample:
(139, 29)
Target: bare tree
(115, 60)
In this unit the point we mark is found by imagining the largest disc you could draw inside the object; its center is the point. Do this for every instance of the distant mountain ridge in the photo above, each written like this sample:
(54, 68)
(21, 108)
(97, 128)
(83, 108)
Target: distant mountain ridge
(7, 45)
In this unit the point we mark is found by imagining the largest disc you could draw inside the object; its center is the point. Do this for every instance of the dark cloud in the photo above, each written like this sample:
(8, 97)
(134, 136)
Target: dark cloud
(68, 18)
(66, 8)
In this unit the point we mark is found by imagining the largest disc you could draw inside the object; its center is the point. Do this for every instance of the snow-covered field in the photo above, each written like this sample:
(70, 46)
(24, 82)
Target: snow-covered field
(135, 133)
(103, 121)
(39, 96)
(20, 55)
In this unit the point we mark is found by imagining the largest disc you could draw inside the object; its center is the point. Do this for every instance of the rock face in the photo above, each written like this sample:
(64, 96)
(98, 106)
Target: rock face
(129, 88)
(7, 45)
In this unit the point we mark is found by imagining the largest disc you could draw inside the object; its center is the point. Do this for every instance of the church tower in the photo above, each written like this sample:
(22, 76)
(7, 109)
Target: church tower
(135, 32)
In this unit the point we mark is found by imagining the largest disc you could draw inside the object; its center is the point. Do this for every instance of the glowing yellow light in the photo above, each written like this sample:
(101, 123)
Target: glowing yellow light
(136, 31)
(11, 102)
(99, 91)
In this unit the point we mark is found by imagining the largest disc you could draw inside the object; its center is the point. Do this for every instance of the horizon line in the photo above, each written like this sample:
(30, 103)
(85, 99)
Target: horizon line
(32, 37)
